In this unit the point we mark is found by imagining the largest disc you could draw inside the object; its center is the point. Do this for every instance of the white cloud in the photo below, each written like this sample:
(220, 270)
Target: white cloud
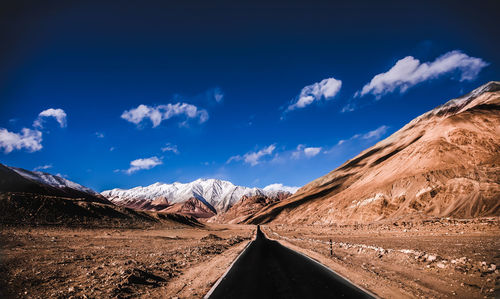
(326, 89)
(312, 151)
(280, 187)
(43, 167)
(58, 114)
(253, 158)
(376, 134)
(111, 148)
(160, 113)
(147, 163)
(308, 152)
(409, 71)
(170, 148)
(99, 135)
(28, 139)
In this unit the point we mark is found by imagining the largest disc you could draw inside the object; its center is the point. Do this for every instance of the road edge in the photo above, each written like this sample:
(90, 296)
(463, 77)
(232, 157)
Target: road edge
(216, 284)
(324, 266)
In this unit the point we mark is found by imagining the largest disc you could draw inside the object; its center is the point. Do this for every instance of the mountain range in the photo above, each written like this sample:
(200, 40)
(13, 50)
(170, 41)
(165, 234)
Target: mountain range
(14, 179)
(444, 163)
(202, 198)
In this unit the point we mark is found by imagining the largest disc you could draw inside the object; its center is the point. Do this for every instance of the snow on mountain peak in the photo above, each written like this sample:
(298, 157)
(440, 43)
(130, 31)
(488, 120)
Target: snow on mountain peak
(458, 104)
(218, 193)
(52, 180)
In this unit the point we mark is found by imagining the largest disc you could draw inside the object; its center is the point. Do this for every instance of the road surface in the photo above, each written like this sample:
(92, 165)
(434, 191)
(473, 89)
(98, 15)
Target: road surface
(267, 269)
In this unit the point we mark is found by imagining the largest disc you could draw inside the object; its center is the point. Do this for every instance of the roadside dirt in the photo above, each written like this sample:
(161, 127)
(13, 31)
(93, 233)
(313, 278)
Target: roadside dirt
(116, 263)
(438, 258)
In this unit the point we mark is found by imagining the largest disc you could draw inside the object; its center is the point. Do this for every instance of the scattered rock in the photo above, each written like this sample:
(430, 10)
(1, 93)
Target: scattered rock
(211, 237)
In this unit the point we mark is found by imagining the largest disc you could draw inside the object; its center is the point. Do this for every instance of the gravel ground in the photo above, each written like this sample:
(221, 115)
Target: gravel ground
(439, 258)
(109, 263)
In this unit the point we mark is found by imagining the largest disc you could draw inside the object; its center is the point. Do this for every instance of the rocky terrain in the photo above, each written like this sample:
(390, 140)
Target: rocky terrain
(35, 210)
(58, 262)
(445, 163)
(217, 195)
(248, 206)
(434, 258)
(13, 179)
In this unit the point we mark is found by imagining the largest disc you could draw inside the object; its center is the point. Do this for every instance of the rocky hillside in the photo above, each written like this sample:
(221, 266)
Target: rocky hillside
(445, 163)
(248, 206)
(39, 198)
(217, 195)
(13, 179)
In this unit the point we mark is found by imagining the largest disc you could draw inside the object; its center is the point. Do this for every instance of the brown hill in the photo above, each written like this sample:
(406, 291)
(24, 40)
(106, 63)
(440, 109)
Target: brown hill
(12, 181)
(445, 163)
(192, 207)
(18, 208)
(248, 206)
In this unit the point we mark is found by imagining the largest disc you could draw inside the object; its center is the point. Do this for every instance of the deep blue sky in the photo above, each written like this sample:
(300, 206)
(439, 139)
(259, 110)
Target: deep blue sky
(95, 60)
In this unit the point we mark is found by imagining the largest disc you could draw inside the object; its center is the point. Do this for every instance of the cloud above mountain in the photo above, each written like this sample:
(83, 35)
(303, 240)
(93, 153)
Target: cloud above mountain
(409, 71)
(371, 135)
(303, 151)
(169, 147)
(43, 167)
(254, 158)
(326, 90)
(157, 114)
(140, 164)
(58, 114)
(28, 139)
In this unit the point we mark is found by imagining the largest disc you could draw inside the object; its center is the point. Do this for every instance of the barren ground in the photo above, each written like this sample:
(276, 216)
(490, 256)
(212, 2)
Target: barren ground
(438, 259)
(105, 263)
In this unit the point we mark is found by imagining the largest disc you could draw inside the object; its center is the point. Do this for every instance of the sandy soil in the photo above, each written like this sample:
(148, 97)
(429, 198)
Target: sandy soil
(116, 263)
(437, 259)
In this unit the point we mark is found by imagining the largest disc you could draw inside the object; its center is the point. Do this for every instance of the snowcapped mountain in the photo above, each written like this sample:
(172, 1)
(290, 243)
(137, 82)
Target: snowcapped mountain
(13, 179)
(52, 180)
(455, 106)
(218, 194)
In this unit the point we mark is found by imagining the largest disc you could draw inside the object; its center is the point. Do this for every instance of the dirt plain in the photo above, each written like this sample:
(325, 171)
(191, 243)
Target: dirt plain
(58, 262)
(435, 258)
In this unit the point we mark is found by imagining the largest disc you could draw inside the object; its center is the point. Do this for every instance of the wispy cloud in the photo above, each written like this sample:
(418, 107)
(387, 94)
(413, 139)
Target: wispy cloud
(99, 135)
(253, 158)
(159, 113)
(409, 71)
(28, 139)
(376, 134)
(371, 135)
(216, 94)
(170, 148)
(303, 151)
(326, 89)
(141, 164)
(42, 167)
(58, 114)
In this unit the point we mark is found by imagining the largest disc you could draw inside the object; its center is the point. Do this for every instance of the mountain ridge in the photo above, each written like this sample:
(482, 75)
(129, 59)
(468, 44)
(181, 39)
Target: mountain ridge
(14, 179)
(443, 163)
(217, 195)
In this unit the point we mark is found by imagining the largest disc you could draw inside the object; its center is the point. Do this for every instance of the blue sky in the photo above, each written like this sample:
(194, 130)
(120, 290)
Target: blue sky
(126, 94)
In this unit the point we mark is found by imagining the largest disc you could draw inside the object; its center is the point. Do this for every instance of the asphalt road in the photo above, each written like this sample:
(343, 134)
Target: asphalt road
(267, 269)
